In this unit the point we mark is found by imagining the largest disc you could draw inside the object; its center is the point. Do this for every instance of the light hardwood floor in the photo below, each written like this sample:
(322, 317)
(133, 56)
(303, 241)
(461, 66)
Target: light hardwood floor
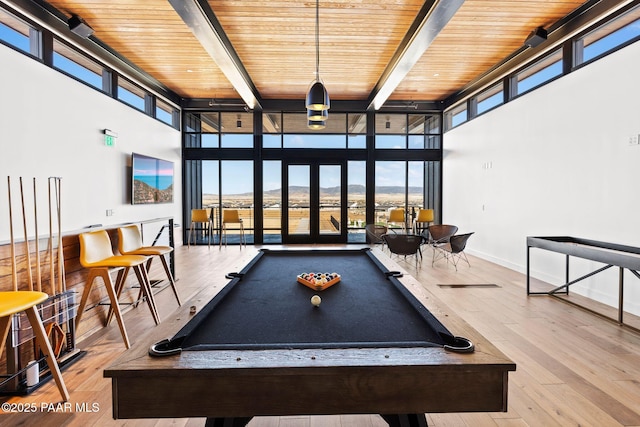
(573, 368)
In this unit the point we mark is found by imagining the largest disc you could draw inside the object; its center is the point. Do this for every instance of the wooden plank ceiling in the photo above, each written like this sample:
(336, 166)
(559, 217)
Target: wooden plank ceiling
(275, 41)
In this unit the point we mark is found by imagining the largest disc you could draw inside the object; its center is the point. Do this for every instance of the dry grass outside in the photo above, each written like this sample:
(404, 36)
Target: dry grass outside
(272, 218)
(299, 216)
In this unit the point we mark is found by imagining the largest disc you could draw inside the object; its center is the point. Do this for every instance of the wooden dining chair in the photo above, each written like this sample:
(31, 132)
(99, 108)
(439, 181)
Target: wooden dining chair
(14, 302)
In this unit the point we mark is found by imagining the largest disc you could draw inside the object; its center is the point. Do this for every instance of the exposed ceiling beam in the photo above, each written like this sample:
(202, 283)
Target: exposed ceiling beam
(205, 26)
(431, 19)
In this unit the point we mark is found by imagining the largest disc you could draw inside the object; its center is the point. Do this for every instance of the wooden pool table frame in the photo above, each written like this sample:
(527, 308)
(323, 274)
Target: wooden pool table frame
(247, 383)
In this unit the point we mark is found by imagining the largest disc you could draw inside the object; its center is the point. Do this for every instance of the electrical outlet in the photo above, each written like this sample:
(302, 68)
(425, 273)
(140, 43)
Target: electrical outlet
(109, 212)
(634, 140)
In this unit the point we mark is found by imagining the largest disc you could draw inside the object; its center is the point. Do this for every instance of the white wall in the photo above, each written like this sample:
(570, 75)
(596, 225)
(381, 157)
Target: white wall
(51, 125)
(556, 161)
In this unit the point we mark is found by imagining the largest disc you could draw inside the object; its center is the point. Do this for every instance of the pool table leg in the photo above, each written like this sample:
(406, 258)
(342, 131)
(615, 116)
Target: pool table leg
(227, 422)
(405, 420)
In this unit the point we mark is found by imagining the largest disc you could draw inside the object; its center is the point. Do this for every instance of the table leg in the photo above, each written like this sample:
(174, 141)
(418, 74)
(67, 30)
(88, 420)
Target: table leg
(405, 420)
(227, 422)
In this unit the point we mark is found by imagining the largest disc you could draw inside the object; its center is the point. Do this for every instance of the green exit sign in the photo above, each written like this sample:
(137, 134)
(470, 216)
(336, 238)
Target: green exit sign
(110, 138)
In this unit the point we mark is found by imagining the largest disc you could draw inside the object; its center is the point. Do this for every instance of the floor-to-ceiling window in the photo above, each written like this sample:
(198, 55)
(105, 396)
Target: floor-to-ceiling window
(391, 188)
(294, 185)
(407, 172)
(272, 201)
(356, 199)
(219, 170)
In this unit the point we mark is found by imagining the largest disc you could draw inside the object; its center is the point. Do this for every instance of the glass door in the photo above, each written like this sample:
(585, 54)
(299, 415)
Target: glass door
(314, 208)
(298, 202)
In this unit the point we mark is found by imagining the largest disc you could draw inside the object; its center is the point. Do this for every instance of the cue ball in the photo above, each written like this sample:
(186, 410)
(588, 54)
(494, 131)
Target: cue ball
(316, 300)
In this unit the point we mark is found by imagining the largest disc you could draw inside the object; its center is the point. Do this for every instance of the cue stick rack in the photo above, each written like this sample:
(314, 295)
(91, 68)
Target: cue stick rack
(59, 310)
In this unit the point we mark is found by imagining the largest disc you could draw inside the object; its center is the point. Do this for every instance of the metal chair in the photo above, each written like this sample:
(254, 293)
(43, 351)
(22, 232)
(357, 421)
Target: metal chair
(405, 245)
(130, 243)
(438, 235)
(200, 221)
(96, 254)
(232, 216)
(374, 233)
(454, 249)
(14, 302)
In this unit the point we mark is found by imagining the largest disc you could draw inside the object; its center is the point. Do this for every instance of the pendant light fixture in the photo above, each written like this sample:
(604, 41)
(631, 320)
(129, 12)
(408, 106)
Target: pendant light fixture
(317, 114)
(317, 101)
(316, 124)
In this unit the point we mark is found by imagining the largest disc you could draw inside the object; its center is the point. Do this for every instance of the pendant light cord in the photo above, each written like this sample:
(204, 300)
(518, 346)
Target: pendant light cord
(317, 40)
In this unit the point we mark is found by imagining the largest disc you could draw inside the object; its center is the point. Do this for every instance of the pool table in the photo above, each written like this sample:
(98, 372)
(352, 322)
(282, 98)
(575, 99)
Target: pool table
(377, 343)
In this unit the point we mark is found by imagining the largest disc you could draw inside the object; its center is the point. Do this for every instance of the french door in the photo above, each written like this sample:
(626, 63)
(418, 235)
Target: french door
(314, 194)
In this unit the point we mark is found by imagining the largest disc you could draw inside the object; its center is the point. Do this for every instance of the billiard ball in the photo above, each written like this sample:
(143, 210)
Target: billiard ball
(316, 300)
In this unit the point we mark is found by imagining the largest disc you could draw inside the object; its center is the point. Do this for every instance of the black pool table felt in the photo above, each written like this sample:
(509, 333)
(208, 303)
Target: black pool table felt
(268, 308)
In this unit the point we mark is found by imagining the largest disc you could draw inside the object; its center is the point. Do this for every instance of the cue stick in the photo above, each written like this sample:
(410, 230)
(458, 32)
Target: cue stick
(61, 279)
(14, 272)
(52, 277)
(64, 307)
(51, 261)
(35, 215)
(26, 237)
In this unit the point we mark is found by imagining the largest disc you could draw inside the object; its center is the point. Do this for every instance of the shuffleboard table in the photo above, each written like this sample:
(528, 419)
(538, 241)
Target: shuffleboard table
(608, 254)
(377, 343)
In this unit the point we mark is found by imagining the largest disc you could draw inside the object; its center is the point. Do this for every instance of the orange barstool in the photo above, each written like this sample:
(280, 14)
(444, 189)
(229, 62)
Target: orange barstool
(200, 221)
(232, 216)
(424, 218)
(396, 216)
(130, 243)
(96, 254)
(14, 302)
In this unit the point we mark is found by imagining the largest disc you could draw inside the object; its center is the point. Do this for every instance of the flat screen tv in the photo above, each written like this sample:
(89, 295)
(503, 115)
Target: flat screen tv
(151, 180)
